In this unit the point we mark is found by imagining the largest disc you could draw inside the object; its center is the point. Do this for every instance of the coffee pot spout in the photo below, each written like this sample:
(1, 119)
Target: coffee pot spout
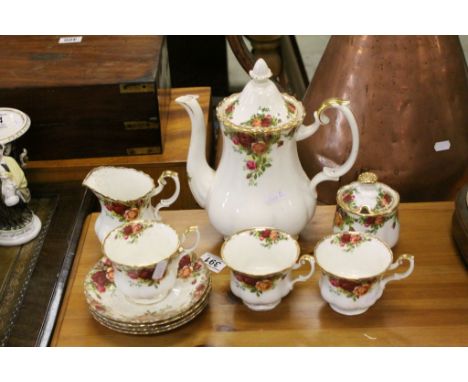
(200, 174)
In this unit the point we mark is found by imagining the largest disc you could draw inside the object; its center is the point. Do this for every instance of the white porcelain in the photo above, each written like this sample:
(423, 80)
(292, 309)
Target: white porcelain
(20, 224)
(145, 255)
(261, 261)
(259, 181)
(370, 207)
(125, 195)
(109, 303)
(353, 268)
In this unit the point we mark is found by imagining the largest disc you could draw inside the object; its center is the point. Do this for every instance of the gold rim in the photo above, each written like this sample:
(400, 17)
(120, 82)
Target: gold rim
(385, 212)
(298, 251)
(177, 251)
(126, 202)
(352, 278)
(294, 122)
(155, 330)
(137, 324)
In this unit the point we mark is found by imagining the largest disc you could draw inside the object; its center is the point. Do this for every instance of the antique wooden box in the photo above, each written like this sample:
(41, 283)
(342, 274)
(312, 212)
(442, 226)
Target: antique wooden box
(87, 96)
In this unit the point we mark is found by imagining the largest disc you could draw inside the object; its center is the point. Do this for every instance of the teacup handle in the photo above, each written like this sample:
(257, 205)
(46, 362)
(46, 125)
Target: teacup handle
(399, 275)
(302, 260)
(193, 229)
(161, 184)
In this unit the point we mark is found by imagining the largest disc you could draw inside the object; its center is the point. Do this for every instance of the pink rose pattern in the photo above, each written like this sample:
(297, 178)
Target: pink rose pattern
(351, 289)
(132, 231)
(256, 285)
(124, 212)
(349, 240)
(102, 279)
(371, 223)
(257, 146)
(268, 236)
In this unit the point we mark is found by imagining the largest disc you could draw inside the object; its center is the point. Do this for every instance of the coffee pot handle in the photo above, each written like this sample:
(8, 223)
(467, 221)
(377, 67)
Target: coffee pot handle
(161, 184)
(333, 173)
(302, 260)
(399, 275)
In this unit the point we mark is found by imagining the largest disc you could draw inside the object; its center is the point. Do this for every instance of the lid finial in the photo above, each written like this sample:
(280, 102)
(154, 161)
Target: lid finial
(367, 178)
(260, 71)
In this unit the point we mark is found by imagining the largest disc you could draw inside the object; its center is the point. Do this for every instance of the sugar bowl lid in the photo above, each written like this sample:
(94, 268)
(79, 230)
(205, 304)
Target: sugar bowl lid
(260, 105)
(13, 124)
(367, 196)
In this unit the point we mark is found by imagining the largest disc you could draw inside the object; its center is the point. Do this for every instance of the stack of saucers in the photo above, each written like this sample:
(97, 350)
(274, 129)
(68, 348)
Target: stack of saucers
(112, 309)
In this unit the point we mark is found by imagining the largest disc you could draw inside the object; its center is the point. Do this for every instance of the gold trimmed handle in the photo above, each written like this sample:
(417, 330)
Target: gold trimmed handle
(302, 260)
(334, 173)
(190, 230)
(161, 184)
(399, 275)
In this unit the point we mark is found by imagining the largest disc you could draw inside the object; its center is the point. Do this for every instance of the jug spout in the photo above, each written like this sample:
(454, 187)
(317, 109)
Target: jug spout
(200, 174)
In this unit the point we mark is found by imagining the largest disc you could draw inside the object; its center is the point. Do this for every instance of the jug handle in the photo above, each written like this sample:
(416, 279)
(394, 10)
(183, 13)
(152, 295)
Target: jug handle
(161, 184)
(334, 173)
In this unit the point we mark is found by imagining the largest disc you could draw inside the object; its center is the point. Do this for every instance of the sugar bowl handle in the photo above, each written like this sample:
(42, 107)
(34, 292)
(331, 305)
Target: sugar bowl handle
(161, 184)
(399, 275)
(302, 260)
(194, 230)
(334, 173)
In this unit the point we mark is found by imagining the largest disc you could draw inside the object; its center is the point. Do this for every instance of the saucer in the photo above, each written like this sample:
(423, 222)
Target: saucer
(148, 329)
(109, 304)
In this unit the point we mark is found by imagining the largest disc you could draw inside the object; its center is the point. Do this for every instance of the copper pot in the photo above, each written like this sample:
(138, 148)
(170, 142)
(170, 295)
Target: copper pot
(407, 93)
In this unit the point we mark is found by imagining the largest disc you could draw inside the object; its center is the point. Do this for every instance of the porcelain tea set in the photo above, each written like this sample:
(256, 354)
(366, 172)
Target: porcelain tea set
(260, 200)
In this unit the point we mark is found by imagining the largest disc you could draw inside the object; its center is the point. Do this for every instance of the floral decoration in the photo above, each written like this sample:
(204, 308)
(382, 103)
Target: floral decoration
(144, 277)
(230, 108)
(132, 231)
(257, 285)
(291, 108)
(188, 268)
(383, 200)
(123, 212)
(349, 240)
(371, 224)
(351, 289)
(262, 119)
(257, 146)
(348, 198)
(103, 278)
(268, 236)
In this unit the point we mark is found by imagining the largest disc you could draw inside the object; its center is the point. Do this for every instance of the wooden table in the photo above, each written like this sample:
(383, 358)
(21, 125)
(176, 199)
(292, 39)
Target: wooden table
(430, 308)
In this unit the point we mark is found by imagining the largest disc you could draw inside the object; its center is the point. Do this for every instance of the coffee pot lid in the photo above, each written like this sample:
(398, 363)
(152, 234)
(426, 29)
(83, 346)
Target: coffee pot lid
(13, 124)
(261, 105)
(367, 196)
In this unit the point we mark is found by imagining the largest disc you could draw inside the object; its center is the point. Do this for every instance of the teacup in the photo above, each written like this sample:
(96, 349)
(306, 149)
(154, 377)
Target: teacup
(145, 257)
(353, 268)
(261, 261)
(125, 195)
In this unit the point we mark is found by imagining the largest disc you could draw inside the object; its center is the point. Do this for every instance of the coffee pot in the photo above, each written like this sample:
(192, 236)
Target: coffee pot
(260, 181)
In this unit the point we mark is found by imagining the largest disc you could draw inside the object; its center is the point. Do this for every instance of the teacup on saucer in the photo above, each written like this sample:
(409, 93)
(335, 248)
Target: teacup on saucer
(106, 301)
(144, 255)
(261, 261)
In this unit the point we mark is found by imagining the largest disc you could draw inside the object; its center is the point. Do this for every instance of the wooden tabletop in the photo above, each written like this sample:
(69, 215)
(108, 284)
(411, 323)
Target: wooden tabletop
(430, 308)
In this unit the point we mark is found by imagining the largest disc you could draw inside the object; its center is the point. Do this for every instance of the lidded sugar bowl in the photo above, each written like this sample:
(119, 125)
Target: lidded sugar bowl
(260, 181)
(368, 206)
